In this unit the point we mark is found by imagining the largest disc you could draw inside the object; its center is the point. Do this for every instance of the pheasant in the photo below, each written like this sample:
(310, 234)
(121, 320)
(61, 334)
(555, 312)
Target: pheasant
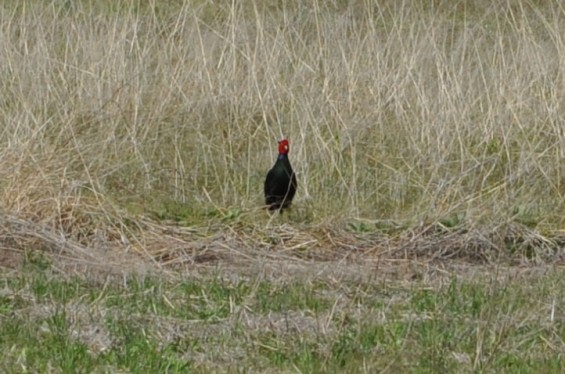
(280, 185)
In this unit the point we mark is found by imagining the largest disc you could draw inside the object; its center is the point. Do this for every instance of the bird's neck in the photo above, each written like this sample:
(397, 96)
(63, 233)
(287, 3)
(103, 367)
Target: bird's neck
(283, 156)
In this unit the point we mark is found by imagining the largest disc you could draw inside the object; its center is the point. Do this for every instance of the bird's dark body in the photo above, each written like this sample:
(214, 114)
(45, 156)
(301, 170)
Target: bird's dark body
(280, 184)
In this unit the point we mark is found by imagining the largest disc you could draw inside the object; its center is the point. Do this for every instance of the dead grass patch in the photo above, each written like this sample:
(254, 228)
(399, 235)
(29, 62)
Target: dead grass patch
(170, 246)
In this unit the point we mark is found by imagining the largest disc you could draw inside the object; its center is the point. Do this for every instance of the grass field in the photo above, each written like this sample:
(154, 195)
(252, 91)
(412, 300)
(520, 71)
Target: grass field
(426, 234)
(284, 317)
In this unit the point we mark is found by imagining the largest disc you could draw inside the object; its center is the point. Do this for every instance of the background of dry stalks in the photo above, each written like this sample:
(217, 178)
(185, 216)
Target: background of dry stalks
(416, 128)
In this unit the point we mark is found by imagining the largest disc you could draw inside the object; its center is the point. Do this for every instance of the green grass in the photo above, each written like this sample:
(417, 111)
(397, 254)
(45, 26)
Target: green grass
(459, 321)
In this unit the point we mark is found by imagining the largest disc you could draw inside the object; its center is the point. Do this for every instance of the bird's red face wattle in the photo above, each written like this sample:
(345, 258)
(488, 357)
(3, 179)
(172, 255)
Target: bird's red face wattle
(283, 147)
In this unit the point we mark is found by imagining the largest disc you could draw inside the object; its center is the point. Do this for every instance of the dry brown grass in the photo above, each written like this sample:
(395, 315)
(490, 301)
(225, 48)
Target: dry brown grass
(403, 115)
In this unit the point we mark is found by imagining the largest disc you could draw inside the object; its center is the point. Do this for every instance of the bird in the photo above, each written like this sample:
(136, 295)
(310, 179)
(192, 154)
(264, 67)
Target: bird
(280, 184)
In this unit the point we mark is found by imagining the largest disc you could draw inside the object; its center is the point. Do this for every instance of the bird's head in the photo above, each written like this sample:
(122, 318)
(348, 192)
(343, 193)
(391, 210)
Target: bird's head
(283, 147)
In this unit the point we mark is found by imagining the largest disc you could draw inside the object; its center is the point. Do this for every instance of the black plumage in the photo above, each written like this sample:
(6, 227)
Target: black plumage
(280, 184)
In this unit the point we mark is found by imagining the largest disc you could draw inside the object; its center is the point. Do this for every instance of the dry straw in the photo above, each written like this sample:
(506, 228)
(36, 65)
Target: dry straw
(429, 114)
